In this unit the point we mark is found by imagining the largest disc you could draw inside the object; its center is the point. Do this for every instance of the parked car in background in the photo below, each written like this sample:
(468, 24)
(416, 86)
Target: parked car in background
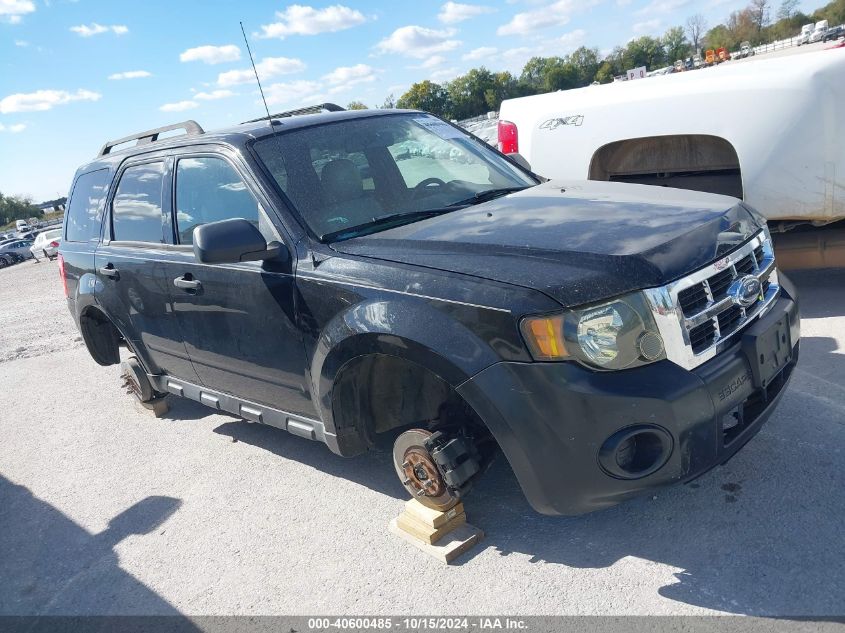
(19, 248)
(21, 226)
(46, 244)
(834, 33)
(745, 50)
(818, 32)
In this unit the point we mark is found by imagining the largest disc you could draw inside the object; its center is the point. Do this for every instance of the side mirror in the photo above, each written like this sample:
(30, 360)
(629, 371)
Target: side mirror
(232, 241)
(520, 160)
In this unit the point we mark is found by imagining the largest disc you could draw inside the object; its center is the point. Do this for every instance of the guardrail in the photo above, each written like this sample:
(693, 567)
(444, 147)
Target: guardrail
(779, 44)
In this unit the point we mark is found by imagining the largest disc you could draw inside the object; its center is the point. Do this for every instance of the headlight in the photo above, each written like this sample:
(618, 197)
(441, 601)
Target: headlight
(618, 334)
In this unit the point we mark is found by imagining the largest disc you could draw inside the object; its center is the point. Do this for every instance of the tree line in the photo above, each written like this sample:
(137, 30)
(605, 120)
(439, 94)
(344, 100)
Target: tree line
(481, 90)
(17, 208)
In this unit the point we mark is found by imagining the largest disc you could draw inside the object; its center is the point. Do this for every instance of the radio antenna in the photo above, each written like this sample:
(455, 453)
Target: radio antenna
(257, 80)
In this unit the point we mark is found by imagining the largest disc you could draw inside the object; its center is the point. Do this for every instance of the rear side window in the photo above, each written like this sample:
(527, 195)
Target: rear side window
(208, 189)
(136, 209)
(85, 211)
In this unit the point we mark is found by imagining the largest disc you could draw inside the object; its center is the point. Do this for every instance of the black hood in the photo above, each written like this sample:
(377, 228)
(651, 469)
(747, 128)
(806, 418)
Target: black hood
(575, 241)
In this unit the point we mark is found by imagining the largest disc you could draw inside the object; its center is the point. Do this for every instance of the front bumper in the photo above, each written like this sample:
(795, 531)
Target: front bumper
(552, 419)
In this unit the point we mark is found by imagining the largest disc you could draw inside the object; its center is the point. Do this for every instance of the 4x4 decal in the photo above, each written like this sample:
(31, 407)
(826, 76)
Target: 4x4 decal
(552, 124)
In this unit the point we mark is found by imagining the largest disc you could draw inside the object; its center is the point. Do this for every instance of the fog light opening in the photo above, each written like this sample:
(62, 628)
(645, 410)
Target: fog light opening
(635, 452)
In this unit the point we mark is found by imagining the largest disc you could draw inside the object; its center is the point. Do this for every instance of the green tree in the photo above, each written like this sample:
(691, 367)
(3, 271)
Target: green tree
(356, 105)
(469, 92)
(429, 97)
(644, 51)
(675, 44)
(389, 102)
(533, 76)
(504, 86)
(586, 62)
(17, 208)
(560, 76)
(696, 27)
(788, 8)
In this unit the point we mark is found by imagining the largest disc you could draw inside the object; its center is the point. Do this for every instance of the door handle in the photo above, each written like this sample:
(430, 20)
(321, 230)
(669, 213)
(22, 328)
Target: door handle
(187, 284)
(109, 271)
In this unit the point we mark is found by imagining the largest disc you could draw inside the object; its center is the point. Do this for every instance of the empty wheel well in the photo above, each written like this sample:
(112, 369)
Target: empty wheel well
(101, 336)
(378, 393)
(698, 162)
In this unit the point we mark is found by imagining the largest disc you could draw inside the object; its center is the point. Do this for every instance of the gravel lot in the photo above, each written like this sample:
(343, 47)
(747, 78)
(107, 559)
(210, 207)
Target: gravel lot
(104, 510)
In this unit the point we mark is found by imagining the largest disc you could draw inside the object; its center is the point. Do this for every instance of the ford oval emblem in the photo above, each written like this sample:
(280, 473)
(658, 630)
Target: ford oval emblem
(745, 291)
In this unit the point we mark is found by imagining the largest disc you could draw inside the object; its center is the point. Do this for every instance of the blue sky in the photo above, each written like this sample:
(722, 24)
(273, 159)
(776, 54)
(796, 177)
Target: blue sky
(75, 73)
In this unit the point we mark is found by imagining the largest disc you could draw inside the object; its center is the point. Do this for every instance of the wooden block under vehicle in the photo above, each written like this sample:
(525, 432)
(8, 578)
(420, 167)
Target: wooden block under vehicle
(449, 547)
(430, 517)
(419, 529)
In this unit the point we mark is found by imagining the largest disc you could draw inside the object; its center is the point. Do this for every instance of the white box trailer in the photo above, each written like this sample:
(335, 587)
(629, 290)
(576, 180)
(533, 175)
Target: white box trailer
(769, 131)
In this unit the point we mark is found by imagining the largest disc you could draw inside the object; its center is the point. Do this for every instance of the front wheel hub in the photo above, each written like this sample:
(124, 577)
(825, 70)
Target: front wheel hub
(419, 473)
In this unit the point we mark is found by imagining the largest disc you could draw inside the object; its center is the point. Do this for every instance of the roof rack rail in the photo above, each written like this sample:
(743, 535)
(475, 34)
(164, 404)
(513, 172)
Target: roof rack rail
(314, 109)
(192, 128)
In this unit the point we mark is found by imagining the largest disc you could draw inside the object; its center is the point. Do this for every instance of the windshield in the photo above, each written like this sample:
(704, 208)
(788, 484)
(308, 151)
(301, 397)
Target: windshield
(357, 172)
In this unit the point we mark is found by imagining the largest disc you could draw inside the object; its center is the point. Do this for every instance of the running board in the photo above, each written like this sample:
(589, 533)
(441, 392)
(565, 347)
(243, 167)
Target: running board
(249, 411)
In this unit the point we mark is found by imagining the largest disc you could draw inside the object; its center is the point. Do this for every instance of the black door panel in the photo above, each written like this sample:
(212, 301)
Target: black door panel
(136, 297)
(240, 330)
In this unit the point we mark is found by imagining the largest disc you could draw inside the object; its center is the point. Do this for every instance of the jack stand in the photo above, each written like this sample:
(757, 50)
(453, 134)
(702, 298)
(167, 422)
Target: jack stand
(442, 535)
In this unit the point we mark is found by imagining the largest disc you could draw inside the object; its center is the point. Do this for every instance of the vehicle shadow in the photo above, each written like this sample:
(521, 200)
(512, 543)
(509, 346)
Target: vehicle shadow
(820, 291)
(373, 469)
(760, 535)
(49, 565)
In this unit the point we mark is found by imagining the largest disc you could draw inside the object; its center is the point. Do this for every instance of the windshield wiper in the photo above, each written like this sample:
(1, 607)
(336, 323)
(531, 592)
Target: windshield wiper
(396, 219)
(491, 194)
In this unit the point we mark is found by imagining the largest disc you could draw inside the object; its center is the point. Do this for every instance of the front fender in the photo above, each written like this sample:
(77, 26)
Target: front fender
(396, 327)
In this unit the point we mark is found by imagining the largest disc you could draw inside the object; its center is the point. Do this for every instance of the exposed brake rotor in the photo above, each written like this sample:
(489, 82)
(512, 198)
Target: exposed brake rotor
(418, 472)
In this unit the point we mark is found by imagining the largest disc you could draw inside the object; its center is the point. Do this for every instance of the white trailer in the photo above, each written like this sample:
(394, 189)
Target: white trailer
(769, 131)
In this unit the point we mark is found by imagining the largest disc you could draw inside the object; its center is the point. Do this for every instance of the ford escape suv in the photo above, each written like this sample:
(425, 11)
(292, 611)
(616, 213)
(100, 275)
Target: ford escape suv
(355, 276)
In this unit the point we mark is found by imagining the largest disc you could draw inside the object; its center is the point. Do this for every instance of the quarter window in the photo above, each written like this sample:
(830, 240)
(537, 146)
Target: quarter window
(208, 189)
(136, 209)
(85, 211)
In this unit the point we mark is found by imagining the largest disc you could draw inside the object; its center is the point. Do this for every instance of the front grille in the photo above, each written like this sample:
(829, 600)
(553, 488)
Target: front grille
(696, 314)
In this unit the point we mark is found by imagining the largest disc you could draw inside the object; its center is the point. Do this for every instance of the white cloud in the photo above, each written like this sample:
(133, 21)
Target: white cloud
(568, 42)
(432, 62)
(12, 11)
(179, 106)
(556, 14)
(480, 53)
(13, 129)
(293, 92)
(214, 95)
(444, 75)
(41, 100)
(211, 54)
(454, 12)
(662, 6)
(86, 30)
(131, 74)
(418, 41)
(514, 59)
(21, 43)
(345, 77)
(268, 68)
(647, 26)
(348, 74)
(301, 20)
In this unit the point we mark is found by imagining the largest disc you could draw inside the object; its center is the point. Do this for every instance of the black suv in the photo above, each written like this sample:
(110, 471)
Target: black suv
(349, 275)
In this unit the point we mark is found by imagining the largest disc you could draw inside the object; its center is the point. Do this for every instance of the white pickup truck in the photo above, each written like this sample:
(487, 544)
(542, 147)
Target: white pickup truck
(769, 131)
